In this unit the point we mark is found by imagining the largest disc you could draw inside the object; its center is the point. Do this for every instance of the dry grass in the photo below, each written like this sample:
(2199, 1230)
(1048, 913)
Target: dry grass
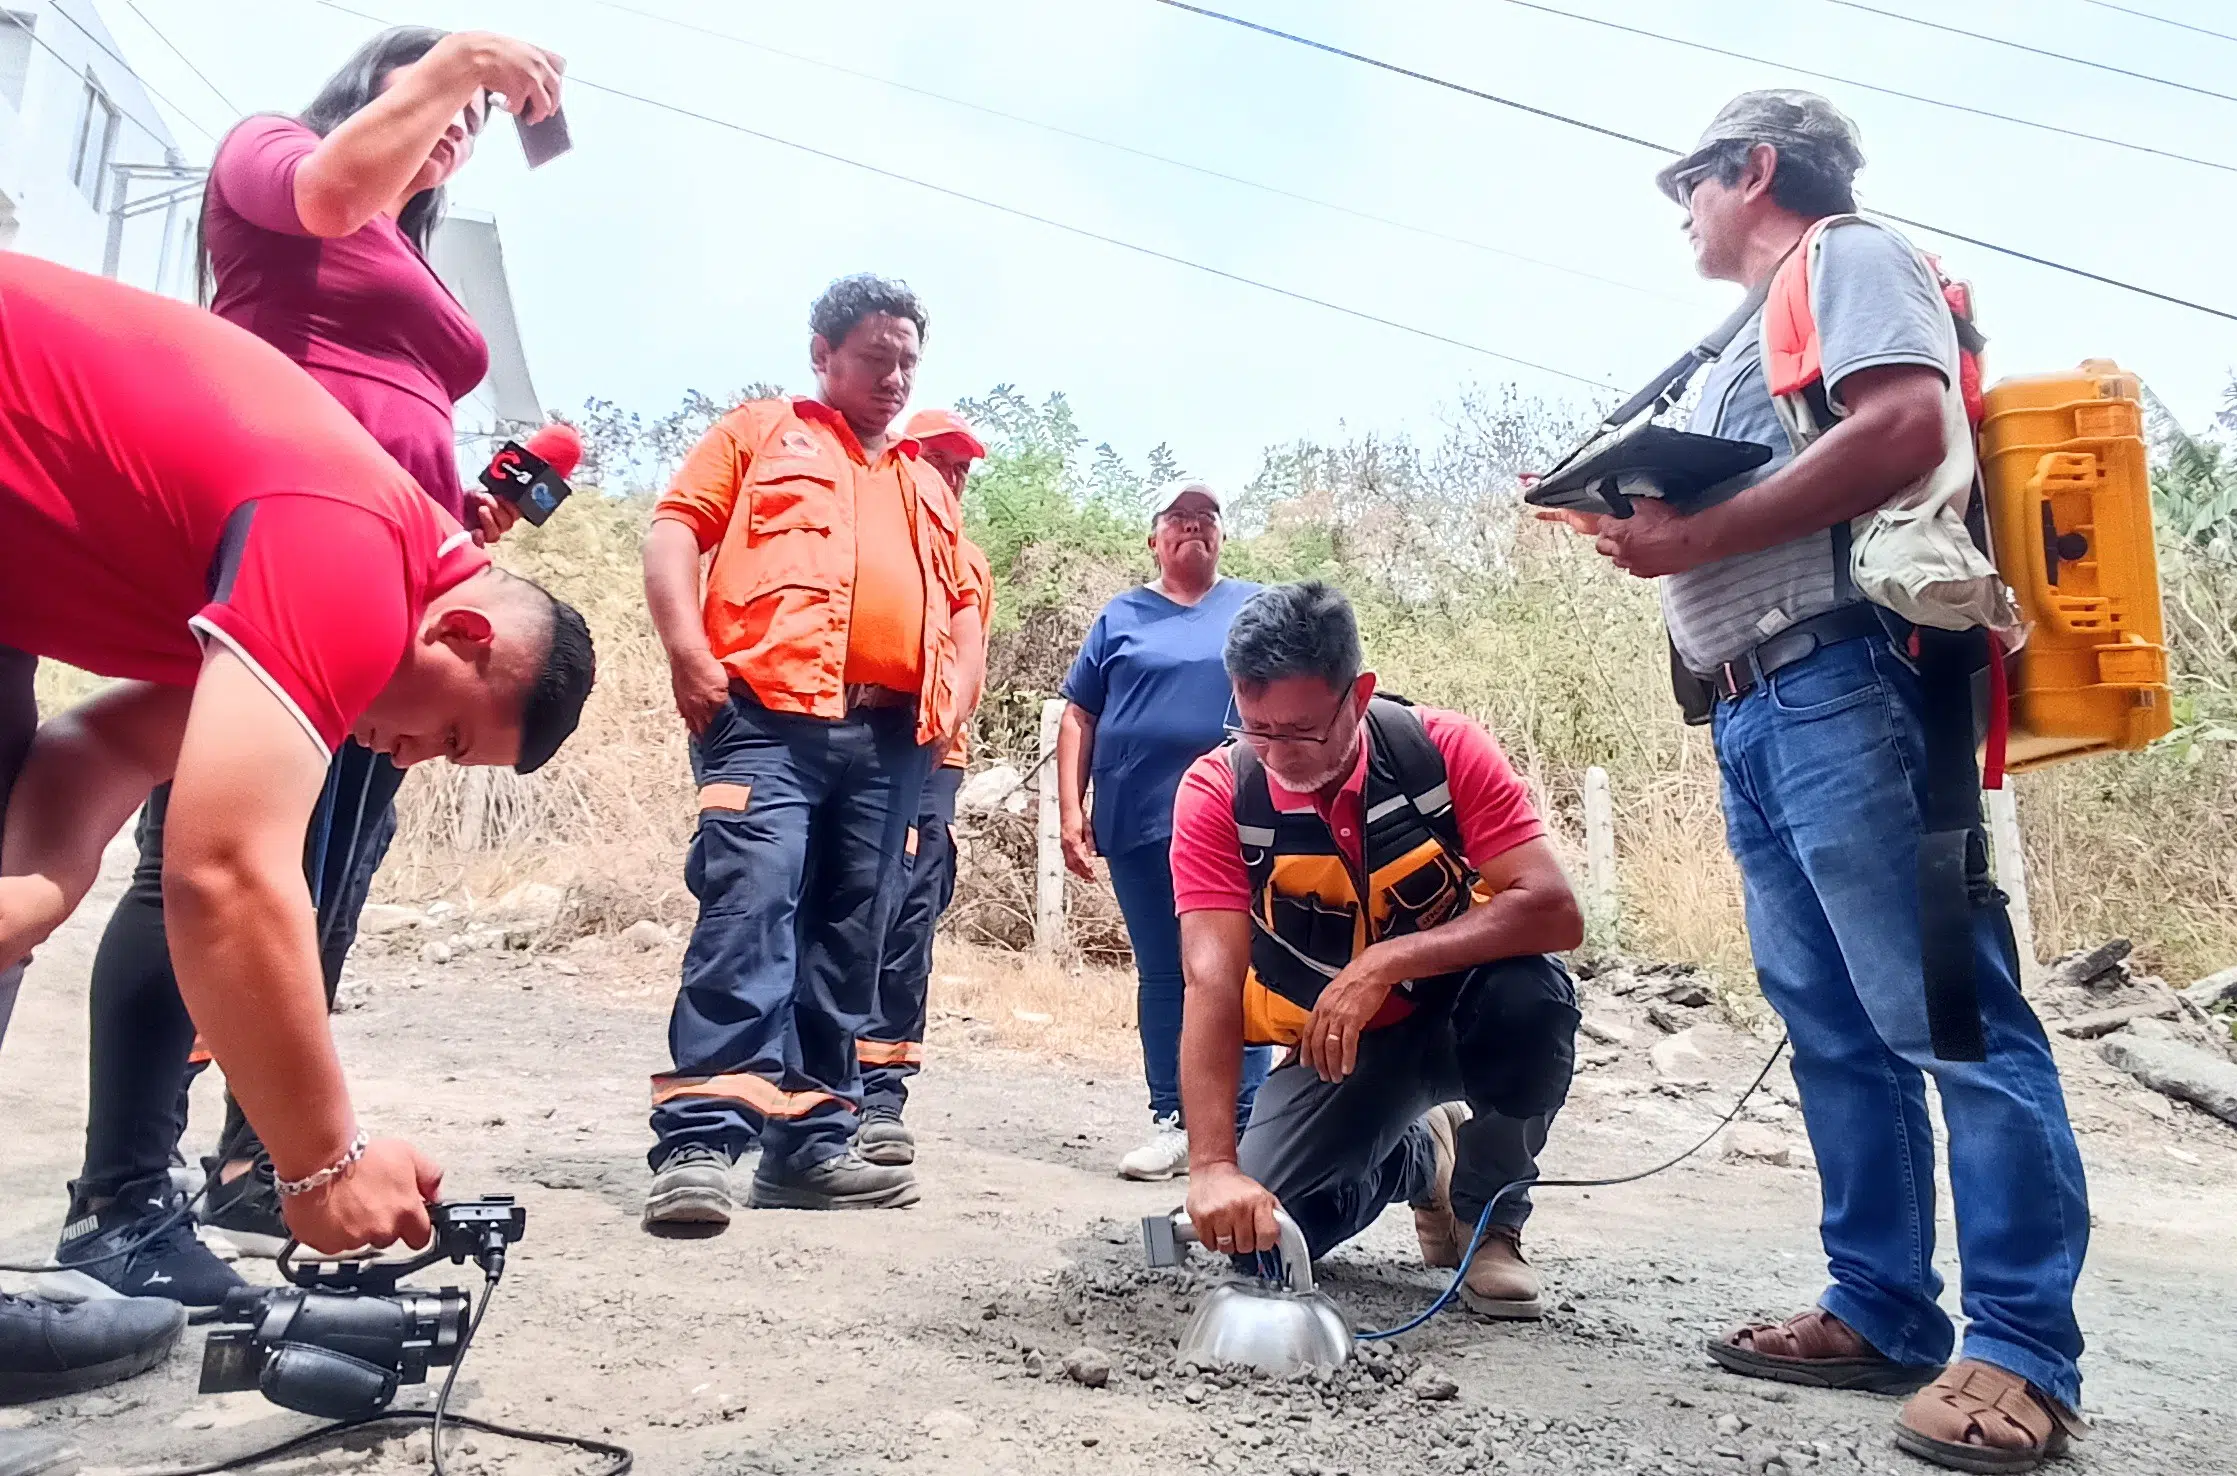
(1559, 656)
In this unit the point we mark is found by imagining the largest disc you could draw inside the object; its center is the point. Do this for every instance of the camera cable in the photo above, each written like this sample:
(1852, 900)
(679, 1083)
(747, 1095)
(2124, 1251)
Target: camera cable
(439, 1419)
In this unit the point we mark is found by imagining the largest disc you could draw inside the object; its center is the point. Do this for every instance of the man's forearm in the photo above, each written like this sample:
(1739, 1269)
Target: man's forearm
(1512, 923)
(970, 663)
(244, 945)
(671, 561)
(1211, 1076)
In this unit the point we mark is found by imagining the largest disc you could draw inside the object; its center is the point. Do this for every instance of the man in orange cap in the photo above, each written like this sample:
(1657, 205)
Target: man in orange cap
(891, 1047)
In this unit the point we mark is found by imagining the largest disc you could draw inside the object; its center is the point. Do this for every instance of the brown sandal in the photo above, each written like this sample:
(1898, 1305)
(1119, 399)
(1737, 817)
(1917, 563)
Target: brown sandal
(1818, 1350)
(1981, 1418)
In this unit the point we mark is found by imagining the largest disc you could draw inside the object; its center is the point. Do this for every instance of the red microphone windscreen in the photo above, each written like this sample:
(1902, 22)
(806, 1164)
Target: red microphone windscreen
(558, 444)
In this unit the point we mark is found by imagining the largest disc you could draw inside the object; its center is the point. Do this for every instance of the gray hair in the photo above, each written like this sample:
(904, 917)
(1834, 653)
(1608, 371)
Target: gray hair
(1294, 630)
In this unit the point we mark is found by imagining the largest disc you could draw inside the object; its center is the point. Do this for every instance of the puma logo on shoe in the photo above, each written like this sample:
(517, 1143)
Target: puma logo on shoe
(157, 1279)
(79, 1228)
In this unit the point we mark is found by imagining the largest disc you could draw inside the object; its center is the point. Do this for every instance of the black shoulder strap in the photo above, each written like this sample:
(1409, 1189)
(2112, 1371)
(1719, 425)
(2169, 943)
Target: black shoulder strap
(1254, 815)
(1399, 735)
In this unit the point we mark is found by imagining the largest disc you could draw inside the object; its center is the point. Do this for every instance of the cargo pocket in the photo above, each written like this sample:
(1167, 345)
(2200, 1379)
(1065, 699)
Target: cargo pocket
(1517, 1028)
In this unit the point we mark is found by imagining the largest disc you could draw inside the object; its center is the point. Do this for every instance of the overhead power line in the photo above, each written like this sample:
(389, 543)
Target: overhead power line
(1935, 102)
(2162, 19)
(1666, 149)
(577, 80)
(2079, 61)
(1357, 214)
(156, 130)
(172, 47)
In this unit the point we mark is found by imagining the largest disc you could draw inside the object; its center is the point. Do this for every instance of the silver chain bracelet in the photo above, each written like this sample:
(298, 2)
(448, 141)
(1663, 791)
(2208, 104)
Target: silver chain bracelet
(293, 1188)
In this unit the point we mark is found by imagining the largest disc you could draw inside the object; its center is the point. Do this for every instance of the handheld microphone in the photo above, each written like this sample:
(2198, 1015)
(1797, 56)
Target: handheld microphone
(534, 477)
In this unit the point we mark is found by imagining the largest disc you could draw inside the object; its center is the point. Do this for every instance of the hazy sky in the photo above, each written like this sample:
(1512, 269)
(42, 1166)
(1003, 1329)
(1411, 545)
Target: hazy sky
(665, 253)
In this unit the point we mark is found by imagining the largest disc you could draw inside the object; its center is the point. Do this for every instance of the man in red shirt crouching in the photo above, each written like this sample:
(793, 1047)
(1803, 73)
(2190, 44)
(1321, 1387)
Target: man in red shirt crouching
(1366, 881)
(183, 509)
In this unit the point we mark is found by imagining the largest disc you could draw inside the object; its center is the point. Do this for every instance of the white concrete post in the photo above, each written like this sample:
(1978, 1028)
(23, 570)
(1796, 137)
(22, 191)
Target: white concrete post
(1600, 851)
(1048, 892)
(2011, 866)
(473, 810)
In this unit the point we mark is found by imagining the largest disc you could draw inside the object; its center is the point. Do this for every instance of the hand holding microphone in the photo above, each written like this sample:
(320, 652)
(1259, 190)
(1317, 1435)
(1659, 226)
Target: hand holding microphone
(526, 481)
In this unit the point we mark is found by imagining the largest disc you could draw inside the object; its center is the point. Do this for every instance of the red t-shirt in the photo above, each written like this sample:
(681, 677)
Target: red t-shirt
(1491, 804)
(166, 479)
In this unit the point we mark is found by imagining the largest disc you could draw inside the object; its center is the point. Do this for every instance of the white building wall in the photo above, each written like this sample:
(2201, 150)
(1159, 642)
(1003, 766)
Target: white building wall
(47, 159)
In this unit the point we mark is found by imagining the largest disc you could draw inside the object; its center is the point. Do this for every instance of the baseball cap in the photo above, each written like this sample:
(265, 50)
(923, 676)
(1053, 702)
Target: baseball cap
(1785, 118)
(1178, 488)
(932, 425)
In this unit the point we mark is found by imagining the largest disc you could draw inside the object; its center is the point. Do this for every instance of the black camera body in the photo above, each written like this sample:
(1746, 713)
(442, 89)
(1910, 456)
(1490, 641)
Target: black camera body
(343, 1337)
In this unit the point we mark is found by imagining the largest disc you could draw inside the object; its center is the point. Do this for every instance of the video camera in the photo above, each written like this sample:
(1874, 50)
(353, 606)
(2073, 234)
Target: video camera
(344, 1337)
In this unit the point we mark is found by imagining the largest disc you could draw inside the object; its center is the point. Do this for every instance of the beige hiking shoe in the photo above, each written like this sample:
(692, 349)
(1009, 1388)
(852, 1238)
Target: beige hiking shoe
(1441, 1234)
(1500, 1283)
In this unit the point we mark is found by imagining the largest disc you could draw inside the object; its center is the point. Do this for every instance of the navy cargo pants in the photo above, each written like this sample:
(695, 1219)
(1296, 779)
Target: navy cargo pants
(891, 1047)
(797, 866)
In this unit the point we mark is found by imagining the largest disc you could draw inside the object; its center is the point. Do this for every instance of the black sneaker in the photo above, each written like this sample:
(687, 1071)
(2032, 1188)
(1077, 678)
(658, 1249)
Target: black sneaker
(48, 1349)
(243, 1215)
(163, 1260)
(844, 1182)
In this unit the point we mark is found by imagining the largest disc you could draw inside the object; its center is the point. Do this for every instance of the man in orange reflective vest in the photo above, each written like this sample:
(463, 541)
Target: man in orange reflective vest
(891, 1046)
(1790, 600)
(820, 673)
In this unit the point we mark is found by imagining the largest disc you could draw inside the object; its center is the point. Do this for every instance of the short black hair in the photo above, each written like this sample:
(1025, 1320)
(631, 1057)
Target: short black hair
(1801, 182)
(1294, 630)
(563, 682)
(846, 302)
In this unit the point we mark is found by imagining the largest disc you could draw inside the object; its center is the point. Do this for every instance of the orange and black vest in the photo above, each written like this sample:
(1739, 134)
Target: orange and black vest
(1311, 911)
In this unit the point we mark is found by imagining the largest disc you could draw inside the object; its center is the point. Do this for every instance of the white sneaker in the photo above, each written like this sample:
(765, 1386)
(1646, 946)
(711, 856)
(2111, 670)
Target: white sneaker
(1163, 1156)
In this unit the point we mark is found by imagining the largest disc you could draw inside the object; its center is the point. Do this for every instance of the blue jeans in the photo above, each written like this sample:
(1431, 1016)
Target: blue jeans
(1824, 769)
(1143, 879)
(797, 866)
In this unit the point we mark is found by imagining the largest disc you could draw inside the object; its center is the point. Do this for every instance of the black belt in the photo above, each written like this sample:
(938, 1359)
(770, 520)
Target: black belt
(1742, 674)
(863, 695)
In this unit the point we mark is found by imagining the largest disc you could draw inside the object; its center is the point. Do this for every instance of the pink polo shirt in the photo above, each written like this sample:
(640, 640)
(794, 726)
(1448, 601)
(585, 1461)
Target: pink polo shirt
(1490, 802)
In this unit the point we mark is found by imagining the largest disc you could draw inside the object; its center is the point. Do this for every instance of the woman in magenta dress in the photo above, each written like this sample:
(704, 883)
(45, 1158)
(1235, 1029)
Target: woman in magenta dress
(315, 232)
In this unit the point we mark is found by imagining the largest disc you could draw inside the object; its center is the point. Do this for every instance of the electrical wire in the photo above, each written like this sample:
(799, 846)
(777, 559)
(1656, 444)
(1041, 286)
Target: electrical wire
(575, 80)
(1104, 143)
(172, 47)
(1661, 148)
(1483, 1221)
(2162, 19)
(2079, 61)
(1935, 102)
(111, 53)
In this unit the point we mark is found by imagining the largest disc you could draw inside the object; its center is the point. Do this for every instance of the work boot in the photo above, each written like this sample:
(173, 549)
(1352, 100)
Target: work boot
(883, 1139)
(139, 1244)
(242, 1214)
(48, 1349)
(691, 1187)
(1500, 1283)
(28, 1453)
(1163, 1156)
(847, 1181)
(1439, 1230)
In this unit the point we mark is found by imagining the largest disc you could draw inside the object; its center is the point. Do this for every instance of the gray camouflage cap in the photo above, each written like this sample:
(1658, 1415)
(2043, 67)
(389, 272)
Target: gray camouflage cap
(1786, 119)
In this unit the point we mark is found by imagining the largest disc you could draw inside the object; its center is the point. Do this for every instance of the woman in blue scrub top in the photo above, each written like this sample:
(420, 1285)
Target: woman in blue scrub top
(1147, 697)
